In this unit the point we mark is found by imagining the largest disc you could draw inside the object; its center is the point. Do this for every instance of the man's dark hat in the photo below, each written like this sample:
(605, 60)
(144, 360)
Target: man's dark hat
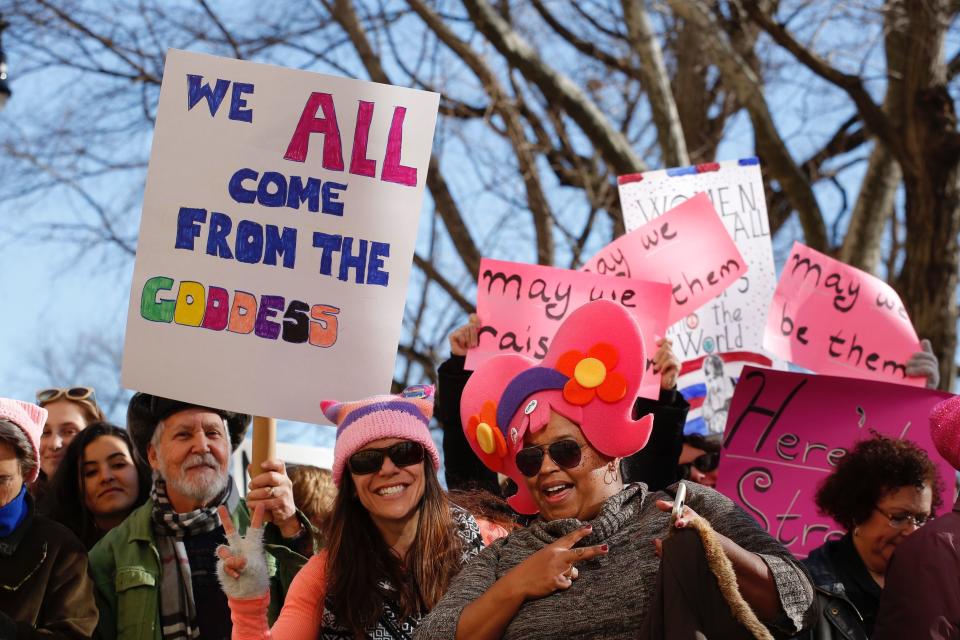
(145, 411)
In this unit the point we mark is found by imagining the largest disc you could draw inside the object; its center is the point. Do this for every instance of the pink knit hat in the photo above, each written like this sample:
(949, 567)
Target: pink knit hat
(590, 376)
(30, 418)
(359, 423)
(945, 430)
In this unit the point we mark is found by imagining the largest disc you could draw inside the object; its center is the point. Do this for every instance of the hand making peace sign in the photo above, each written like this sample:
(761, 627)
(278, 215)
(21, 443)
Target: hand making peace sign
(552, 568)
(242, 567)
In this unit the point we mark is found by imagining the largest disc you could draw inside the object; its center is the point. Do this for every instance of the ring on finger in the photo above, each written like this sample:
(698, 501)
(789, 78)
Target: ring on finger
(269, 492)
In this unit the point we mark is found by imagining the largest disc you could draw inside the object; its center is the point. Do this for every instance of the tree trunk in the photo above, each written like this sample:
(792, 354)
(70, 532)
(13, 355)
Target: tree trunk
(931, 175)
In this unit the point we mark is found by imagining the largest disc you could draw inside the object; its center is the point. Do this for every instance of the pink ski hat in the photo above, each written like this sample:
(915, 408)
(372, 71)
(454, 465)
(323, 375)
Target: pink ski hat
(590, 376)
(30, 418)
(945, 430)
(359, 423)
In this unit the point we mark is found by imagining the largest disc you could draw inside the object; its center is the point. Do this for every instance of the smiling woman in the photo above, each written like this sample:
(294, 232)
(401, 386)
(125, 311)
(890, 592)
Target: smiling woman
(99, 482)
(881, 492)
(393, 540)
(589, 565)
(69, 411)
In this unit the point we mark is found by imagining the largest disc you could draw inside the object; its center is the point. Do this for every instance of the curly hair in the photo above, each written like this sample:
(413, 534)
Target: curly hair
(313, 492)
(874, 468)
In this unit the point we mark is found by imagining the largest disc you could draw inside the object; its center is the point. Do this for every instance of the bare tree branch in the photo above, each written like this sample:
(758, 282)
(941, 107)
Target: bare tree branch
(612, 144)
(870, 111)
(656, 83)
(770, 145)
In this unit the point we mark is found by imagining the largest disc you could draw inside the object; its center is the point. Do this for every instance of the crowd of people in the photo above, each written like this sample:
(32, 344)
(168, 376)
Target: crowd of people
(562, 517)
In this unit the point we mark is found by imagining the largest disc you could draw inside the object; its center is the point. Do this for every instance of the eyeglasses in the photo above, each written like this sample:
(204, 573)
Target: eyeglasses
(402, 454)
(566, 453)
(901, 520)
(703, 463)
(83, 395)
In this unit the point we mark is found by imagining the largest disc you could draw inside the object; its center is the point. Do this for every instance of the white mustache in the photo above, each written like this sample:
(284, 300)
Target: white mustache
(200, 459)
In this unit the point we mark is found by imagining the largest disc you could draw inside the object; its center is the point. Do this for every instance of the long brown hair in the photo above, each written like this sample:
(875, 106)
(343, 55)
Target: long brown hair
(358, 559)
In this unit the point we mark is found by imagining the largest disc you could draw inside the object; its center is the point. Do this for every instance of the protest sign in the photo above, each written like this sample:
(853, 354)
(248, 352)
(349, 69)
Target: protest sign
(687, 247)
(787, 432)
(279, 221)
(521, 307)
(717, 340)
(831, 318)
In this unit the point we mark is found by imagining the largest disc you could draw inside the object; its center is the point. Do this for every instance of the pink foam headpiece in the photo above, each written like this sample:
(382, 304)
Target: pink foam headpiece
(945, 430)
(30, 418)
(590, 376)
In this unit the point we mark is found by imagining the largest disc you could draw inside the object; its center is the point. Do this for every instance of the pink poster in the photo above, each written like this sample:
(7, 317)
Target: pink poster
(521, 306)
(688, 246)
(787, 431)
(831, 318)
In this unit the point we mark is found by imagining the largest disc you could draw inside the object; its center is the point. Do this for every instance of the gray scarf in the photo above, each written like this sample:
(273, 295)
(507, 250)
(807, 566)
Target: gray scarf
(178, 612)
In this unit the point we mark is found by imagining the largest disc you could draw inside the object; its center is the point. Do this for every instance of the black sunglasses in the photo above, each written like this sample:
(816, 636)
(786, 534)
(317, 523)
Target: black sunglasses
(703, 463)
(566, 453)
(402, 454)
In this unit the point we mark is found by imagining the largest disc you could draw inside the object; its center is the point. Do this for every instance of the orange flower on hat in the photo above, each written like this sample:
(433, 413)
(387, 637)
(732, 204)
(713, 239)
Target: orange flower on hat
(482, 429)
(592, 375)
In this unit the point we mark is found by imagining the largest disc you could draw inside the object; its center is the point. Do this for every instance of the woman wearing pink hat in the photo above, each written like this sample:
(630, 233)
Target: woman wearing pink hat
(588, 566)
(44, 588)
(393, 540)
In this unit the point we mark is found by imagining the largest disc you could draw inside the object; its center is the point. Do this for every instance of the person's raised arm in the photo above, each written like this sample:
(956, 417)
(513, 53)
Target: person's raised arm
(243, 575)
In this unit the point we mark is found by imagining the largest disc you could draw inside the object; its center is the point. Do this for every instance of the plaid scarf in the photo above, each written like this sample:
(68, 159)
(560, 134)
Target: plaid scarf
(178, 612)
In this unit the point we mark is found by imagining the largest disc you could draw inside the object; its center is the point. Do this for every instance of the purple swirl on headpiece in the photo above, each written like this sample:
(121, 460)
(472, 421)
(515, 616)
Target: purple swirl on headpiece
(525, 384)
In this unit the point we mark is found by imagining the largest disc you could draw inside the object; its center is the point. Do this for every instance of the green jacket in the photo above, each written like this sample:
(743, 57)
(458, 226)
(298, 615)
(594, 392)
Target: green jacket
(125, 566)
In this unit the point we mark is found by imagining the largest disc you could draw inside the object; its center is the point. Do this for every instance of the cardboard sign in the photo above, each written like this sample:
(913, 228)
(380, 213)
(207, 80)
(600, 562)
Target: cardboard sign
(831, 318)
(279, 221)
(717, 340)
(522, 306)
(687, 247)
(787, 431)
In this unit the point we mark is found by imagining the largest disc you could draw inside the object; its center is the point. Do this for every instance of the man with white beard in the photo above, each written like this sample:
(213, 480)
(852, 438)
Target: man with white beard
(155, 574)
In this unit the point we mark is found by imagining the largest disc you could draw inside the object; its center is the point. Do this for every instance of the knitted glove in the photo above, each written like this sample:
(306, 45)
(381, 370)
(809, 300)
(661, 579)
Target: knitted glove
(925, 364)
(254, 581)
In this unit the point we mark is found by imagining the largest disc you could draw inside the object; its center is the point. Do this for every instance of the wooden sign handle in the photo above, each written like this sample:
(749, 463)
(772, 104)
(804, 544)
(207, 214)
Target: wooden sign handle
(264, 442)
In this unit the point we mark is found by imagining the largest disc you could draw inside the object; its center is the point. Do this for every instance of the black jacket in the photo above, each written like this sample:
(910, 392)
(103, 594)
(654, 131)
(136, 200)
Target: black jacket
(835, 569)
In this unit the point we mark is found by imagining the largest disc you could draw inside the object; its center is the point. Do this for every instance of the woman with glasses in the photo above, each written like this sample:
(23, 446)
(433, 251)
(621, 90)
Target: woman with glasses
(700, 458)
(393, 540)
(881, 492)
(99, 482)
(589, 565)
(69, 411)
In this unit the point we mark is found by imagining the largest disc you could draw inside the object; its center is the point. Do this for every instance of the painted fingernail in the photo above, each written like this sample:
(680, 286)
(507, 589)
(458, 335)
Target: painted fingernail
(587, 527)
(604, 548)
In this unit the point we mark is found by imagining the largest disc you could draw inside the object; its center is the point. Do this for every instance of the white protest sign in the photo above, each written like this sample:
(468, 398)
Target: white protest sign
(717, 340)
(278, 228)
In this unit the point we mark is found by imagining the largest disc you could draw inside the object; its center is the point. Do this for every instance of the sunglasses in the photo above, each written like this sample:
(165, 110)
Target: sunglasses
(402, 454)
(704, 463)
(566, 453)
(82, 395)
(72, 393)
